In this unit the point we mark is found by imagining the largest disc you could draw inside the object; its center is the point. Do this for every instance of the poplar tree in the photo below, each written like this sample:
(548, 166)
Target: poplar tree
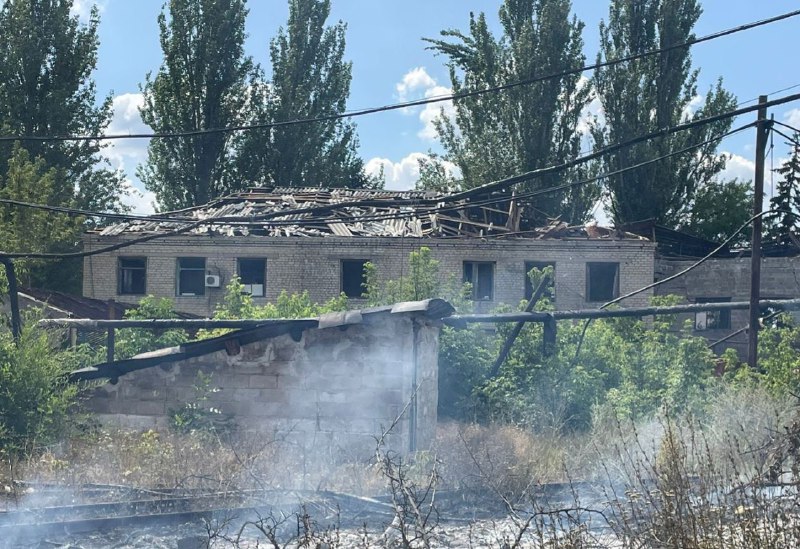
(47, 58)
(310, 79)
(649, 94)
(496, 135)
(202, 84)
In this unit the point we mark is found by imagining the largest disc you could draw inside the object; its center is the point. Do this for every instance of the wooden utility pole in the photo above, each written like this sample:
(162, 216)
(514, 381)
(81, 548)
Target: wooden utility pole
(13, 298)
(762, 131)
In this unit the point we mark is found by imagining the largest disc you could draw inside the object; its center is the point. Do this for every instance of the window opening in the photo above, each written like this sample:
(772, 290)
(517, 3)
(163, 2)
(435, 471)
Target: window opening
(712, 320)
(253, 276)
(480, 274)
(191, 276)
(353, 277)
(132, 276)
(602, 281)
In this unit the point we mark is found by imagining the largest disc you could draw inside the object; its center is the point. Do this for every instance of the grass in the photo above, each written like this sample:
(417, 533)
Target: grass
(723, 477)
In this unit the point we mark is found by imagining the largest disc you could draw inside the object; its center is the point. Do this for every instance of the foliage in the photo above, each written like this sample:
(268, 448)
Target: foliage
(650, 94)
(202, 84)
(787, 197)
(36, 399)
(239, 304)
(778, 360)
(423, 281)
(720, 208)
(28, 230)
(527, 127)
(47, 58)
(196, 416)
(310, 79)
(132, 341)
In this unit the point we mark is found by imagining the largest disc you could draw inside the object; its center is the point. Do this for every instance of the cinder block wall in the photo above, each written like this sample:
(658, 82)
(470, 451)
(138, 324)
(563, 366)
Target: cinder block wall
(313, 264)
(730, 279)
(337, 389)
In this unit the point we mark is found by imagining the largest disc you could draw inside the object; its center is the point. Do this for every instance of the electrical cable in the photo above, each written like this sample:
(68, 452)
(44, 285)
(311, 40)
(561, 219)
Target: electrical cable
(360, 203)
(378, 217)
(415, 103)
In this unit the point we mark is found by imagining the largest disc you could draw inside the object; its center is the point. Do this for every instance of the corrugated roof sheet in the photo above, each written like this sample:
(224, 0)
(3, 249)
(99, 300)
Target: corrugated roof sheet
(315, 212)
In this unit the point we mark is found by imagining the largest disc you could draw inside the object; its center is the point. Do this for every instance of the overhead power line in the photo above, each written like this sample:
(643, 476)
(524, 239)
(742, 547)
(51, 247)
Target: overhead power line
(193, 224)
(407, 104)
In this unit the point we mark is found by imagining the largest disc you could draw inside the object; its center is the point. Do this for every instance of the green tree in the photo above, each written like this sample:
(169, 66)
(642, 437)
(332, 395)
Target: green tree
(719, 209)
(47, 58)
(28, 230)
(649, 94)
(202, 84)
(787, 197)
(310, 79)
(497, 135)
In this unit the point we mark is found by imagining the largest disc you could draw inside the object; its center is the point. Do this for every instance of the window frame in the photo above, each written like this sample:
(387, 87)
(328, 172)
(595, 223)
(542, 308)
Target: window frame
(179, 269)
(475, 274)
(343, 286)
(723, 318)
(120, 276)
(239, 270)
(591, 288)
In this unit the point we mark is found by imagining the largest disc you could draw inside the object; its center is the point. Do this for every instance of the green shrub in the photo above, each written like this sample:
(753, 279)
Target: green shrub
(36, 398)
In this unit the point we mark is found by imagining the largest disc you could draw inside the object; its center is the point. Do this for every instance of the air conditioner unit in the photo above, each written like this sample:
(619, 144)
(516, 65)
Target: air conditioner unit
(212, 281)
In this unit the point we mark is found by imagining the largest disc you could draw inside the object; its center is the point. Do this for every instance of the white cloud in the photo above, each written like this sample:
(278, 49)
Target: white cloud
(82, 8)
(140, 201)
(695, 103)
(418, 84)
(415, 80)
(126, 154)
(792, 118)
(402, 175)
(432, 111)
(737, 167)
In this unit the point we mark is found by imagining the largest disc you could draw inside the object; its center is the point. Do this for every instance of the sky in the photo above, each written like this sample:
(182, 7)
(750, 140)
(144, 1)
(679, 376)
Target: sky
(391, 64)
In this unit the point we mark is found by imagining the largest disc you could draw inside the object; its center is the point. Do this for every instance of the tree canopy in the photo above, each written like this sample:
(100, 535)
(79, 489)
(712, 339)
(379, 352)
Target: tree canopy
(47, 58)
(496, 135)
(310, 79)
(652, 93)
(202, 84)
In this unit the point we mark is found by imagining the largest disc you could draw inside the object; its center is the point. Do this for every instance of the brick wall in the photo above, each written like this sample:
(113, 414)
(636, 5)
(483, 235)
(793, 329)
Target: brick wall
(313, 264)
(337, 388)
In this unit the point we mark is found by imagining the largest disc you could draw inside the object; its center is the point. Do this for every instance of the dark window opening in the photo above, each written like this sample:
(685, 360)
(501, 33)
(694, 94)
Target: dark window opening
(712, 320)
(480, 274)
(132, 276)
(602, 281)
(253, 276)
(191, 276)
(353, 277)
(550, 291)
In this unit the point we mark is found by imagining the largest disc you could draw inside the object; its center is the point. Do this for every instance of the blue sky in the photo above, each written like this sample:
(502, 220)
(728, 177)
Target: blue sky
(391, 63)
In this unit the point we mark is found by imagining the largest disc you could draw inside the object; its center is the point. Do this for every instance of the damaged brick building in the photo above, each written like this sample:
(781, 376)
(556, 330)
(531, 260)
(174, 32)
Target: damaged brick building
(318, 240)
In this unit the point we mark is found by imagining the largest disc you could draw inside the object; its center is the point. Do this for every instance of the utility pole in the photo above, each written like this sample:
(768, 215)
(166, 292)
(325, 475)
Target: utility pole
(13, 298)
(762, 131)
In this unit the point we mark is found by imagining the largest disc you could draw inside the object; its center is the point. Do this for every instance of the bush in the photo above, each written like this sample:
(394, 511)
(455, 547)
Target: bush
(36, 398)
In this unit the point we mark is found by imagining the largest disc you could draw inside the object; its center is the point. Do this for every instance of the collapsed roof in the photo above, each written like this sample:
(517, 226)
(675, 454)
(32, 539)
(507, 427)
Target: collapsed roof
(315, 212)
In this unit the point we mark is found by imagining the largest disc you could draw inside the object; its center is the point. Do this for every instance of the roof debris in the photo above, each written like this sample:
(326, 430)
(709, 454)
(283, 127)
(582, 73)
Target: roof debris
(360, 212)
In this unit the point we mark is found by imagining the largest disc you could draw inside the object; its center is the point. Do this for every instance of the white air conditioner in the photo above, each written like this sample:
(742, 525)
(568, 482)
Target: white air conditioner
(212, 281)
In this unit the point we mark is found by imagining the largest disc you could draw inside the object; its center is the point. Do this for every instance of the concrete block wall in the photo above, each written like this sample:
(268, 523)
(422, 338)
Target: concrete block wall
(313, 264)
(729, 278)
(337, 389)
